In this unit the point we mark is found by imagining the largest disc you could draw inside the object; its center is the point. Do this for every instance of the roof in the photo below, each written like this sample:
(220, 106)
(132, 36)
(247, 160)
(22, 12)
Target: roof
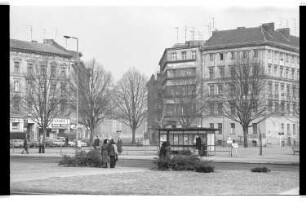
(38, 47)
(250, 36)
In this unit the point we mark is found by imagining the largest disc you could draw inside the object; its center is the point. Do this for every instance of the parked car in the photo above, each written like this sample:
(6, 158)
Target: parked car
(16, 142)
(71, 143)
(81, 143)
(58, 143)
(48, 142)
(33, 143)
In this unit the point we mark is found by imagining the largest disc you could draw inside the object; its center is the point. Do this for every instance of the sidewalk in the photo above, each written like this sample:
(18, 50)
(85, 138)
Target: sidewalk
(245, 155)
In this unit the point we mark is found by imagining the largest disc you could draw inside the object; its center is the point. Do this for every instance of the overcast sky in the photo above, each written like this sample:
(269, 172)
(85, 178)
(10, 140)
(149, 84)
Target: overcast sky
(120, 37)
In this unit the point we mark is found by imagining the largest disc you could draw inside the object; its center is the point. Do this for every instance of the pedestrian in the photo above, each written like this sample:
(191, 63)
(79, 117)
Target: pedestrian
(66, 141)
(113, 153)
(198, 144)
(104, 154)
(41, 149)
(96, 142)
(119, 145)
(25, 146)
(165, 153)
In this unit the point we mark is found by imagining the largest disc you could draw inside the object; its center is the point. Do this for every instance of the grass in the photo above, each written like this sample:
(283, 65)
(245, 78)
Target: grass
(224, 182)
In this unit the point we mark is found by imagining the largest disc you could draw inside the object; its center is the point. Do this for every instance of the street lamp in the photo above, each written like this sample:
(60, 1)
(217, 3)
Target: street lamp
(77, 113)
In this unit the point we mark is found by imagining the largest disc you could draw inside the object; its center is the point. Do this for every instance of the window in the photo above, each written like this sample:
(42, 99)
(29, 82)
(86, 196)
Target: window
(63, 89)
(232, 55)
(255, 53)
(173, 56)
(16, 67)
(221, 71)
(184, 55)
(270, 105)
(269, 54)
(293, 92)
(297, 74)
(232, 89)
(220, 108)
(221, 56)
(292, 73)
(287, 73)
(16, 86)
(282, 87)
(30, 68)
(193, 54)
(270, 69)
(233, 72)
(63, 72)
(282, 106)
(281, 56)
(211, 90)
(293, 129)
(43, 69)
(232, 128)
(255, 108)
(294, 108)
(211, 72)
(53, 87)
(288, 91)
(275, 70)
(270, 88)
(254, 128)
(288, 107)
(287, 57)
(211, 125)
(276, 91)
(211, 108)
(281, 72)
(275, 55)
(282, 127)
(220, 89)
(53, 71)
(220, 128)
(211, 57)
(244, 54)
(276, 106)
(15, 126)
(233, 109)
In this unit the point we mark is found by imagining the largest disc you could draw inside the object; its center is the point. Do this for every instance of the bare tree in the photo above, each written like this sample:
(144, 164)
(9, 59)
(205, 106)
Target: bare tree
(45, 95)
(131, 100)
(95, 100)
(245, 100)
(184, 102)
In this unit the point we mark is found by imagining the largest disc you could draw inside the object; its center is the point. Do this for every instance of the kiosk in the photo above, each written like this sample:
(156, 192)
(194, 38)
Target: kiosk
(184, 138)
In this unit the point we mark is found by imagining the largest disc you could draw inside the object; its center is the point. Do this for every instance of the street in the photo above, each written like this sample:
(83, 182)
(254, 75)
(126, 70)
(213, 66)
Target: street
(146, 163)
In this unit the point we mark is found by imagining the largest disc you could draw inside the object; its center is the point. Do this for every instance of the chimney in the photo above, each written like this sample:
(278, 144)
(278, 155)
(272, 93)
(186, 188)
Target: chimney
(285, 32)
(49, 41)
(269, 27)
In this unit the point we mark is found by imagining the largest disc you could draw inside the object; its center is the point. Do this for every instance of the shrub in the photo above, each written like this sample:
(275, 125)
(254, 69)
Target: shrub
(83, 159)
(183, 162)
(204, 167)
(261, 170)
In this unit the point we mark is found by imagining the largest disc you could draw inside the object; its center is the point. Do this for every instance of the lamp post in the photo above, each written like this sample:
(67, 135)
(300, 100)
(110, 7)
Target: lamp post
(77, 113)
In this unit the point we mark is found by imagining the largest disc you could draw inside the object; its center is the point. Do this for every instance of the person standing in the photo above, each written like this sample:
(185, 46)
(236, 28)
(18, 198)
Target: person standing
(25, 146)
(96, 142)
(66, 141)
(104, 154)
(41, 144)
(112, 153)
(119, 145)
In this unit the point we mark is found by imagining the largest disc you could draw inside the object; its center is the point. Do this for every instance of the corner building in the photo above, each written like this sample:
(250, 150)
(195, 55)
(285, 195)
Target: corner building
(279, 53)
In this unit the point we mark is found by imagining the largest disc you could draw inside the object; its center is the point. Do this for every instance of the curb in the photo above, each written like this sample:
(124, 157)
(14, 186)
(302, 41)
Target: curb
(294, 191)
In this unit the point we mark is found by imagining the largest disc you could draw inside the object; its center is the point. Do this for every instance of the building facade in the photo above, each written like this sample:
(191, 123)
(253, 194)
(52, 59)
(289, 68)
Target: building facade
(278, 52)
(31, 57)
(213, 62)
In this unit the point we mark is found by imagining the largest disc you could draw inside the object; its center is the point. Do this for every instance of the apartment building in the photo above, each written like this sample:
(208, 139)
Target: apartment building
(26, 57)
(278, 52)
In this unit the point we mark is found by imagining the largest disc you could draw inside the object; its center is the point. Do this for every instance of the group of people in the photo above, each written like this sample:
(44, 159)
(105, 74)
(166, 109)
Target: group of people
(109, 151)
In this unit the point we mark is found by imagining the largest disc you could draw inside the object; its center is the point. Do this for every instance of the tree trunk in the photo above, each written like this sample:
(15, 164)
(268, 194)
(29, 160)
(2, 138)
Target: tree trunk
(133, 135)
(91, 135)
(245, 135)
(260, 144)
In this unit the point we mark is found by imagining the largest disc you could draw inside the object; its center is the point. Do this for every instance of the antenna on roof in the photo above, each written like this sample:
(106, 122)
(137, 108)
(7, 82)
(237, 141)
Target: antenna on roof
(177, 36)
(213, 26)
(294, 26)
(31, 29)
(280, 22)
(200, 35)
(192, 33)
(287, 23)
(185, 32)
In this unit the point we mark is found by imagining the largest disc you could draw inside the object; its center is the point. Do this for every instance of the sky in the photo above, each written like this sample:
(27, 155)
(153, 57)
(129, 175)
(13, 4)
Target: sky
(120, 36)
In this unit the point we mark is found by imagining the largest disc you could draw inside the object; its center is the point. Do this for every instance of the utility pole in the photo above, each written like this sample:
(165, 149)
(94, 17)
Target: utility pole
(31, 30)
(185, 33)
(192, 33)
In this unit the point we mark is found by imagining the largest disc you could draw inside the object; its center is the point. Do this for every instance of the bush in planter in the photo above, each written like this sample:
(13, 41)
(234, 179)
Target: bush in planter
(261, 170)
(183, 162)
(83, 159)
(204, 167)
